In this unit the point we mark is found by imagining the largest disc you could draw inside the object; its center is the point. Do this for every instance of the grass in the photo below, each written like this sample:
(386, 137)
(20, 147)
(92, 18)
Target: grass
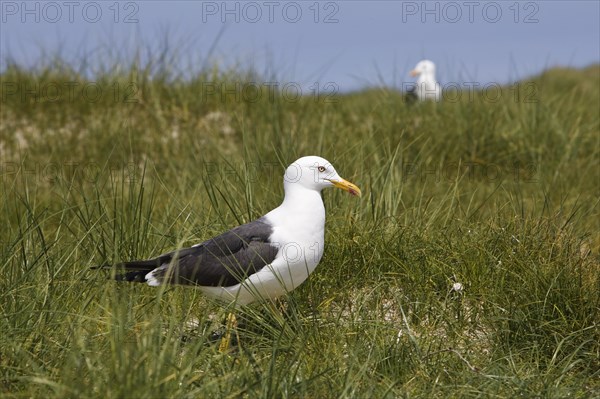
(498, 192)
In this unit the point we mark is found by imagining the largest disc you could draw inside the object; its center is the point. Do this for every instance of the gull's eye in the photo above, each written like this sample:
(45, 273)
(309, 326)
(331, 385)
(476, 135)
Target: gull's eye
(321, 169)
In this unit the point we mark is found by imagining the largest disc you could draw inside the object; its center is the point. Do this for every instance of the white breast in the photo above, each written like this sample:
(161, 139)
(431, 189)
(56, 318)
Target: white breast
(427, 88)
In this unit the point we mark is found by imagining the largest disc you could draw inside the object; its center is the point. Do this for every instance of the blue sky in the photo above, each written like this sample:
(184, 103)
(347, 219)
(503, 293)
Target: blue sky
(350, 43)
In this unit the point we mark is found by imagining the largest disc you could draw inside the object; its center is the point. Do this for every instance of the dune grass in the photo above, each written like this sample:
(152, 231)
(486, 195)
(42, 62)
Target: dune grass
(469, 268)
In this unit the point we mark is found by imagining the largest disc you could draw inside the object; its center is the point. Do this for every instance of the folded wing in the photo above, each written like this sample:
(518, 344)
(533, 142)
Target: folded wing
(224, 260)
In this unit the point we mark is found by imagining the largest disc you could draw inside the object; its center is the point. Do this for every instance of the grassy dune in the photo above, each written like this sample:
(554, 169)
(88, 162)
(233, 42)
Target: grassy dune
(496, 190)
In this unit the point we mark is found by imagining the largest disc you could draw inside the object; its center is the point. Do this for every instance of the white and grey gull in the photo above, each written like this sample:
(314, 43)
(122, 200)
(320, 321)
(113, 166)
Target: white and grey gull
(426, 87)
(259, 260)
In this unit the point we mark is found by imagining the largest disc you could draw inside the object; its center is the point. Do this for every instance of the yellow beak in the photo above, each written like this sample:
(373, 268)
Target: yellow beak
(347, 186)
(414, 73)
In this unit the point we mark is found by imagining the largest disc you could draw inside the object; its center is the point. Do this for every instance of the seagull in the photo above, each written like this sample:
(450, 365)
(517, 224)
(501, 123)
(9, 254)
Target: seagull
(259, 260)
(426, 87)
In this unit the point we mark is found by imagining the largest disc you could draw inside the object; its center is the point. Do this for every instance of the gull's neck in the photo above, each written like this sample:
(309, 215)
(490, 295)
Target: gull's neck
(302, 208)
(427, 78)
(302, 200)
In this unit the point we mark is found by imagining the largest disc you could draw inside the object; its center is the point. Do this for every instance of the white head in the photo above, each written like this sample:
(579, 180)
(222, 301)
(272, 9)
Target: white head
(315, 173)
(424, 67)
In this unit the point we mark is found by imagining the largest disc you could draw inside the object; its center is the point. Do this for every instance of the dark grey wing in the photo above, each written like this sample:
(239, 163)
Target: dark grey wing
(224, 260)
(410, 96)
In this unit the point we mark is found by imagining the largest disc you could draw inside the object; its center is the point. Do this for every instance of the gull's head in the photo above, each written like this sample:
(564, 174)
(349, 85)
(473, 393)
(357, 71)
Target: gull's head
(424, 67)
(316, 173)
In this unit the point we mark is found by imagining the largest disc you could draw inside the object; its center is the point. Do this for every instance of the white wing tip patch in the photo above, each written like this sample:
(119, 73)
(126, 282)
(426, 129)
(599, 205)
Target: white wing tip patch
(151, 280)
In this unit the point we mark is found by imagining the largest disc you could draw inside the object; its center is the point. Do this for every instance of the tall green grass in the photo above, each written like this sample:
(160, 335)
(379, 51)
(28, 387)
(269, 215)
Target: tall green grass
(497, 194)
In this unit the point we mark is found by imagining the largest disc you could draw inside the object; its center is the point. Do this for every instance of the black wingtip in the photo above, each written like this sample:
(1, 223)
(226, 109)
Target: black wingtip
(132, 277)
(138, 275)
(98, 267)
